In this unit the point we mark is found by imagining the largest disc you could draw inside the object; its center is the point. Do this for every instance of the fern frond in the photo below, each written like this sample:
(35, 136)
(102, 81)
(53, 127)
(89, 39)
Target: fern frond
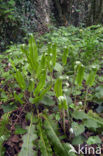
(28, 138)
(45, 147)
(4, 132)
(54, 140)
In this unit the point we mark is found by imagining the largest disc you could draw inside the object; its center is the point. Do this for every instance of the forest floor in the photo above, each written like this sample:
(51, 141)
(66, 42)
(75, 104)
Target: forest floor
(51, 94)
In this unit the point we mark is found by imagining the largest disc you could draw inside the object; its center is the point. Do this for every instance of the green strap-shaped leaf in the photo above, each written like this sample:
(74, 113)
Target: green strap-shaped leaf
(91, 77)
(33, 48)
(44, 142)
(54, 140)
(43, 92)
(28, 138)
(20, 79)
(58, 87)
(64, 57)
(80, 75)
(54, 54)
(41, 83)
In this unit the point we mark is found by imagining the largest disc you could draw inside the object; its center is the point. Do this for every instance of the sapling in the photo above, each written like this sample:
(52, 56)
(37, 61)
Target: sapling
(89, 82)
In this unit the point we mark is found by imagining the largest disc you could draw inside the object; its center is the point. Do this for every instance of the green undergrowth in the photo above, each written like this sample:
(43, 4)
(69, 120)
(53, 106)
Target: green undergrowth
(57, 81)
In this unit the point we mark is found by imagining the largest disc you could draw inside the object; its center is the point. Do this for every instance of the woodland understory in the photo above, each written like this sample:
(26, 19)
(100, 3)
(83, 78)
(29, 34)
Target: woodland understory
(51, 78)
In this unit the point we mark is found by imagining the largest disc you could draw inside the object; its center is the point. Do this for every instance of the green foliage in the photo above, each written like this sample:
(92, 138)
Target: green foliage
(77, 129)
(91, 120)
(51, 56)
(20, 79)
(20, 130)
(54, 138)
(65, 55)
(37, 67)
(93, 140)
(80, 74)
(4, 132)
(58, 87)
(7, 8)
(40, 74)
(44, 142)
(9, 21)
(28, 139)
(63, 103)
(91, 77)
(78, 140)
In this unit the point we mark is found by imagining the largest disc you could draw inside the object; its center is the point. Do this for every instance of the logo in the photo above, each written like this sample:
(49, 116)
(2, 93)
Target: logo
(86, 150)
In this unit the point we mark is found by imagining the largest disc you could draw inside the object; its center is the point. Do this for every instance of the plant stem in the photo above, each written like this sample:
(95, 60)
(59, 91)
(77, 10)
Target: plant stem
(73, 83)
(86, 95)
(63, 120)
(28, 139)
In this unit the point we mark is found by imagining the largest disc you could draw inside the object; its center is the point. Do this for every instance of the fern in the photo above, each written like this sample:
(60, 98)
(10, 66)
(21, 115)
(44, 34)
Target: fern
(44, 142)
(58, 87)
(27, 147)
(80, 75)
(54, 140)
(64, 57)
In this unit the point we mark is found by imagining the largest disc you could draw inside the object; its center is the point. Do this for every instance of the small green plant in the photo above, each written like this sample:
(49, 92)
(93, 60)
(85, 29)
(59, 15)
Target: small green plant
(63, 106)
(34, 79)
(64, 57)
(89, 82)
(79, 70)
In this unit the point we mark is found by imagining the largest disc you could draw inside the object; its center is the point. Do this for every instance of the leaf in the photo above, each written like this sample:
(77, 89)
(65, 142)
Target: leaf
(18, 97)
(64, 57)
(91, 77)
(94, 140)
(78, 140)
(77, 129)
(2, 149)
(27, 146)
(54, 140)
(31, 86)
(3, 123)
(43, 92)
(91, 124)
(20, 130)
(4, 132)
(41, 83)
(80, 75)
(20, 79)
(54, 54)
(8, 108)
(48, 101)
(58, 67)
(45, 147)
(29, 117)
(95, 117)
(33, 53)
(58, 87)
(70, 149)
(99, 92)
(79, 115)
